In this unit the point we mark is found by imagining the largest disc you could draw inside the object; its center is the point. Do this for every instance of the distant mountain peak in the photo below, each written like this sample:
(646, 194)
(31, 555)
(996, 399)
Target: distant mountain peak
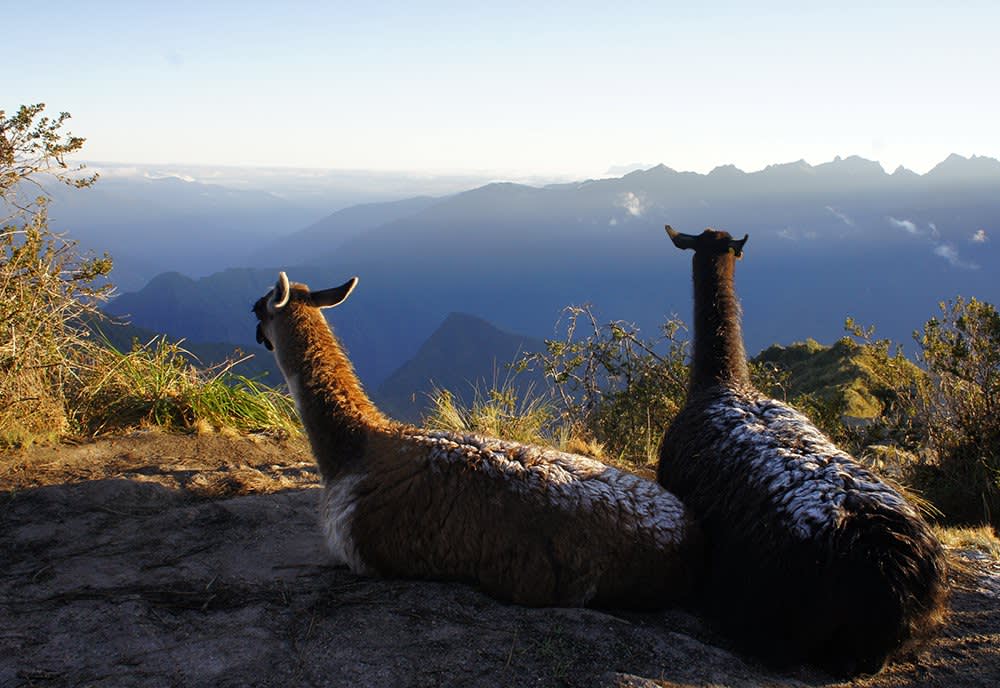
(726, 171)
(797, 167)
(464, 354)
(656, 171)
(852, 164)
(959, 167)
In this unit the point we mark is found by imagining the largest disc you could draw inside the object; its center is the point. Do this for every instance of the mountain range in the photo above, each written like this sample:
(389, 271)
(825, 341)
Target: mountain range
(840, 239)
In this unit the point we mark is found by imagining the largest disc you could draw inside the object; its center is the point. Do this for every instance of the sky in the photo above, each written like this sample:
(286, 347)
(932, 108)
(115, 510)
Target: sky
(537, 88)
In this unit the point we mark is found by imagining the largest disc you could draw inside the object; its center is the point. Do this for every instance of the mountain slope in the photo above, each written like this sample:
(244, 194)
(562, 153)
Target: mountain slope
(302, 247)
(381, 326)
(826, 242)
(463, 355)
(846, 372)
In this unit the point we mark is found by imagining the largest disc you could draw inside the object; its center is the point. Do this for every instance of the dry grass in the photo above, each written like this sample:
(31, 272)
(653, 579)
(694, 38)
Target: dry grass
(982, 538)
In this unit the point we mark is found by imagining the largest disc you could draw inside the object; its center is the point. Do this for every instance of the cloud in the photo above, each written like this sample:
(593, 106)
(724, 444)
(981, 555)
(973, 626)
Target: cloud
(792, 234)
(632, 203)
(939, 248)
(169, 175)
(980, 237)
(612, 222)
(950, 254)
(908, 225)
(840, 216)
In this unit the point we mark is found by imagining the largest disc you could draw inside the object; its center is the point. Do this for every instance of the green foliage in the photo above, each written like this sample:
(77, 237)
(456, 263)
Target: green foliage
(937, 428)
(957, 410)
(156, 384)
(612, 385)
(33, 145)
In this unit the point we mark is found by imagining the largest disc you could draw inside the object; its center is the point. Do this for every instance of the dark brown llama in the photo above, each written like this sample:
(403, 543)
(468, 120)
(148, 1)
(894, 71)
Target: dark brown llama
(811, 557)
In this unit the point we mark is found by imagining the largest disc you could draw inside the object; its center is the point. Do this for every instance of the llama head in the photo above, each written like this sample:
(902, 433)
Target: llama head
(711, 242)
(271, 309)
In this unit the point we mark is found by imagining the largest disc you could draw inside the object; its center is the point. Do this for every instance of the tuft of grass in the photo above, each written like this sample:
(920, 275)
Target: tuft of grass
(500, 412)
(156, 384)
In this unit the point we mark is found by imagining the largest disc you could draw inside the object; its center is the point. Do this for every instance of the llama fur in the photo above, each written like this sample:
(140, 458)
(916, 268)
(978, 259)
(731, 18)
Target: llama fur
(528, 524)
(810, 556)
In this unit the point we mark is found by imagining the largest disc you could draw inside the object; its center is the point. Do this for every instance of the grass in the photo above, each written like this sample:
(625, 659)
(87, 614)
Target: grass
(981, 538)
(156, 384)
(501, 412)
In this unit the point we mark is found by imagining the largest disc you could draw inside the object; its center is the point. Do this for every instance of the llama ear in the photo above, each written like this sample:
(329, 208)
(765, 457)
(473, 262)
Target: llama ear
(680, 240)
(737, 246)
(334, 296)
(282, 291)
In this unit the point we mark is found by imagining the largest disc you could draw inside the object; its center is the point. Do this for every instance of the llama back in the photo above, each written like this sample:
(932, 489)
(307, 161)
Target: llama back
(811, 554)
(464, 503)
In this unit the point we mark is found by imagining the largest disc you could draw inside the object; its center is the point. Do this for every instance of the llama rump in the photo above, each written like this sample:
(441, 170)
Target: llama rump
(810, 556)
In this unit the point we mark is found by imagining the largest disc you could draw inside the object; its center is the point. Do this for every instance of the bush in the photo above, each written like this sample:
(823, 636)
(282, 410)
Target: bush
(943, 417)
(957, 407)
(54, 378)
(47, 288)
(612, 386)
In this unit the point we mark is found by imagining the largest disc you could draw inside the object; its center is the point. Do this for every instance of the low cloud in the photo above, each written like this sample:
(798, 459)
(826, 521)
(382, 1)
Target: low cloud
(950, 254)
(980, 237)
(169, 175)
(840, 216)
(940, 248)
(790, 234)
(907, 225)
(632, 204)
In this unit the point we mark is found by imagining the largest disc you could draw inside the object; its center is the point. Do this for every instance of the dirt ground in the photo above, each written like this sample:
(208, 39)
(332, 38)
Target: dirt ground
(166, 560)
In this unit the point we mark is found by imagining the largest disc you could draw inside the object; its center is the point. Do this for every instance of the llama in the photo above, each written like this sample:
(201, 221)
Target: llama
(810, 556)
(529, 525)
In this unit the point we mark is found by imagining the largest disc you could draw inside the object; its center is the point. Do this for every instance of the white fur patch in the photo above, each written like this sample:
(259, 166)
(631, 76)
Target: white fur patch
(804, 475)
(571, 482)
(336, 517)
(294, 383)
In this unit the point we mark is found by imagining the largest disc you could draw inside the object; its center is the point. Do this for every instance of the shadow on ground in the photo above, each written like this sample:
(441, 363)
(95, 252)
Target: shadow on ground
(186, 561)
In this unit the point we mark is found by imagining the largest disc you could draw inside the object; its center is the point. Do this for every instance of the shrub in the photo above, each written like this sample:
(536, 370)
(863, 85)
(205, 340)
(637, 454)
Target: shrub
(957, 407)
(54, 378)
(611, 385)
(47, 288)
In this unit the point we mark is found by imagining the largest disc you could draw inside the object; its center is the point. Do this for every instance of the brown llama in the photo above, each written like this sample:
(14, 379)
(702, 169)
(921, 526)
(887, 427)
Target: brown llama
(527, 524)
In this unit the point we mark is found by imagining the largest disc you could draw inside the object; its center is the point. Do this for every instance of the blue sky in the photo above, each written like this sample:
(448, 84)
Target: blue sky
(523, 88)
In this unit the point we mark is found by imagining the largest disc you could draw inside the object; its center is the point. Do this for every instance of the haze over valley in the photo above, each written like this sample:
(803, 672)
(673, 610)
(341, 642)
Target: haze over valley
(839, 239)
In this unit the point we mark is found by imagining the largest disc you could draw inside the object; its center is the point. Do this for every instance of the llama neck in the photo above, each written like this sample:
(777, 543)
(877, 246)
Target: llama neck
(719, 356)
(335, 411)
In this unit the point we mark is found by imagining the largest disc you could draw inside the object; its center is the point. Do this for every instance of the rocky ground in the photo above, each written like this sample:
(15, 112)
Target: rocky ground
(165, 560)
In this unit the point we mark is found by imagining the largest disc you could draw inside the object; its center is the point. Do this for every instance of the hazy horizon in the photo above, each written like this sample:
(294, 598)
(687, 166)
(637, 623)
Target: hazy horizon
(447, 181)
